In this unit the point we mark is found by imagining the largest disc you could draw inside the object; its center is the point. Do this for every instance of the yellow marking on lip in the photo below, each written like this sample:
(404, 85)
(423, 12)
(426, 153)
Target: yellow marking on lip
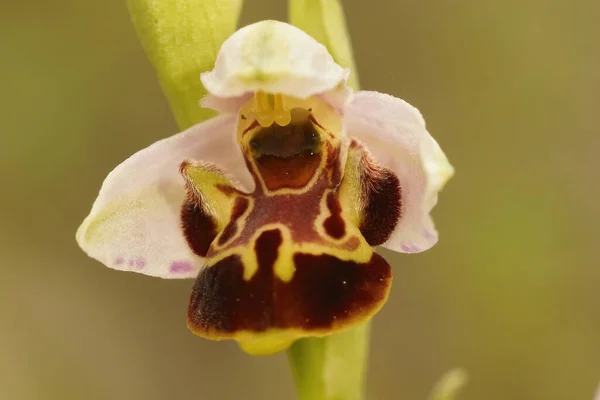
(284, 267)
(241, 224)
(284, 264)
(324, 213)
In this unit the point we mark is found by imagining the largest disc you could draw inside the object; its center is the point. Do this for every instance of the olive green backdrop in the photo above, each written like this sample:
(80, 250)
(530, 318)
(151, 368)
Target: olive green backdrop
(511, 292)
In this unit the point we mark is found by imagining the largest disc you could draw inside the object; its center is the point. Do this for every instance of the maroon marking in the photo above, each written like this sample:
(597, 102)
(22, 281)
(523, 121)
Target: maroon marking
(222, 301)
(332, 155)
(334, 224)
(239, 208)
(227, 190)
(333, 165)
(267, 248)
(381, 195)
(314, 121)
(383, 204)
(212, 307)
(252, 126)
(325, 292)
(199, 228)
(296, 211)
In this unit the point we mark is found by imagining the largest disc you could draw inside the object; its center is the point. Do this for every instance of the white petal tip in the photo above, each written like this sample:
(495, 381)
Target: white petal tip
(274, 57)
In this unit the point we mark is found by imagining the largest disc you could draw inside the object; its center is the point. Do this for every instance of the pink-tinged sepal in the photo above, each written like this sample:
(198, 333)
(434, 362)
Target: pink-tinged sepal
(135, 223)
(394, 133)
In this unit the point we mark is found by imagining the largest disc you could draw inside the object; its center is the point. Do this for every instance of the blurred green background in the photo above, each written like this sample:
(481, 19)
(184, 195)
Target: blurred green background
(511, 292)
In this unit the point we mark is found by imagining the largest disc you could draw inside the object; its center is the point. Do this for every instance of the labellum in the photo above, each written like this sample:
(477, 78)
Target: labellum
(294, 257)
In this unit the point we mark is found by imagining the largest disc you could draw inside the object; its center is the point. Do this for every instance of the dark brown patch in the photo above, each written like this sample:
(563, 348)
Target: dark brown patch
(383, 204)
(287, 156)
(267, 248)
(239, 208)
(293, 172)
(381, 197)
(333, 165)
(325, 292)
(219, 296)
(334, 224)
(199, 228)
(223, 302)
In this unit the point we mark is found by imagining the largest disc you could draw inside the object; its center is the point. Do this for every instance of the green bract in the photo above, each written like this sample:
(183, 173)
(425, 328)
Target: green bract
(182, 39)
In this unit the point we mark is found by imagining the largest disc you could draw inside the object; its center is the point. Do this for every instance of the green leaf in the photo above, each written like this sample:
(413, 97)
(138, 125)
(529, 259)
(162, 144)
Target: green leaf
(182, 39)
(325, 21)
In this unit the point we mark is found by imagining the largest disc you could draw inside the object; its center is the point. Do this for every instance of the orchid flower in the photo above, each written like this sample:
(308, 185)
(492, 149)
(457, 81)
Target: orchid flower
(275, 205)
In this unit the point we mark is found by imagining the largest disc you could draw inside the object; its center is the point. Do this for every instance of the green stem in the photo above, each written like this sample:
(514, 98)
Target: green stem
(333, 367)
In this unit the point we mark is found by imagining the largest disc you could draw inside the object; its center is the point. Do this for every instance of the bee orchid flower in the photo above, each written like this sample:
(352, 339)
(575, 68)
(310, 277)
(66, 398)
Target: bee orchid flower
(275, 205)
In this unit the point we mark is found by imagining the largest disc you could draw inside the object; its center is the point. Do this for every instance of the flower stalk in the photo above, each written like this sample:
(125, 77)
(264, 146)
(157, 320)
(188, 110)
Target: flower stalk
(331, 368)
